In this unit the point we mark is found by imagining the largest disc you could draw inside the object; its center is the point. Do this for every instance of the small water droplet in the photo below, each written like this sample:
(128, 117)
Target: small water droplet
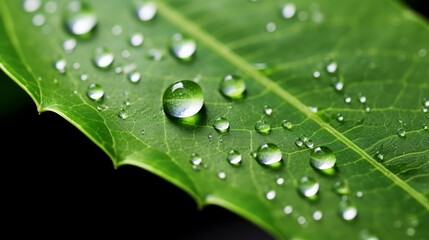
(347, 99)
(379, 156)
(424, 126)
(38, 20)
(221, 125)
(31, 5)
(288, 209)
(313, 109)
(69, 45)
(210, 136)
(196, 159)
(411, 232)
(134, 77)
(332, 67)
(50, 7)
(302, 221)
(280, 181)
(146, 11)
(341, 187)
(308, 187)
(80, 19)
(288, 10)
(61, 65)
(155, 54)
(268, 110)
(262, 127)
(339, 117)
(286, 124)
(317, 215)
(309, 144)
(347, 210)
(425, 102)
(183, 99)
(232, 87)
(234, 157)
(322, 158)
(83, 77)
(270, 27)
(143, 132)
(366, 235)
(270, 195)
(76, 65)
(117, 30)
(302, 16)
(338, 85)
(425, 110)
(362, 98)
(367, 108)
(95, 91)
(103, 57)
(183, 48)
(422, 52)
(221, 175)
(136, 39)
(299, 142)
(316, 74)
(122, 114)
(269, 154)
(401, 132)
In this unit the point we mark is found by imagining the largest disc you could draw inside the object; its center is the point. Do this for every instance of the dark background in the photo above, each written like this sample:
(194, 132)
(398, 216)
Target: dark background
(56, 183)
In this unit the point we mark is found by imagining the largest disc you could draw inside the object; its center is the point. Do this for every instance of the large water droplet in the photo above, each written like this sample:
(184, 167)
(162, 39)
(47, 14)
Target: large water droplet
(308, 187)
(183, 99)
(234, 157)
(183, 48)
(146, 11)
(269, 154)
(221, 125)
(348, 211)
(102, 58)
(95, 91)
(262, 127)
(80, 19)
(232, 87)
(322, 158)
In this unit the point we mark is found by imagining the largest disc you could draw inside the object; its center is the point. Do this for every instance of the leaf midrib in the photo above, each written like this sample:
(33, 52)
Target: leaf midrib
(176, 18)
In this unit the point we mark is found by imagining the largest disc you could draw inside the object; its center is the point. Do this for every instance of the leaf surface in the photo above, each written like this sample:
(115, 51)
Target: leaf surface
(371, 110)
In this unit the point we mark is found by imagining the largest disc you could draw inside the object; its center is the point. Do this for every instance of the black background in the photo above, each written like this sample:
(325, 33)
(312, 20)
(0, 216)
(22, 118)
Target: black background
(57, 183)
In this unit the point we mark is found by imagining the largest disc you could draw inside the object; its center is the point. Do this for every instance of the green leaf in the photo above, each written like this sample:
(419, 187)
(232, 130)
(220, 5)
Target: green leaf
(379, 140)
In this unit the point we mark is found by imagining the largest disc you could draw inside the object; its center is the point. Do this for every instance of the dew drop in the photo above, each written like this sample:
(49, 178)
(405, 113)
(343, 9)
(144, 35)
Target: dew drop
(379, 156)
(134, 77)
(348, 211)
(316, 74)
(268, 110)
(309, 144)
(425, 102)
(95, 91)
(38, 20)
(286, 124)
(183, 99)
(322, 158)
(332, 67)
(83, 77)
(61, 65)
(136, 39)
(183, 48)
(425, 127)
(155, 54)
(359, 194)
(122, 114)
(347, 99)
(422, 52)
(299, 142)
(196, 159)
(116, 30)
(341, 187)
(401, 132)
(270, 27)
(269, 154)
(234, 157)
(339, 117)
(262, 127)
(302, 221)
(339, 85)
(362, 98)
(146, 11)
(221, 175)
(288, 10)
(221, 125)
(366, 235)
(31, 5)
(81, 19)
(69, 45)
(270, 195)
(308, 187)
(232, 87)
(103, 57)
(288, 209)
(50, 7)
(317, 215)
(280, 181)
